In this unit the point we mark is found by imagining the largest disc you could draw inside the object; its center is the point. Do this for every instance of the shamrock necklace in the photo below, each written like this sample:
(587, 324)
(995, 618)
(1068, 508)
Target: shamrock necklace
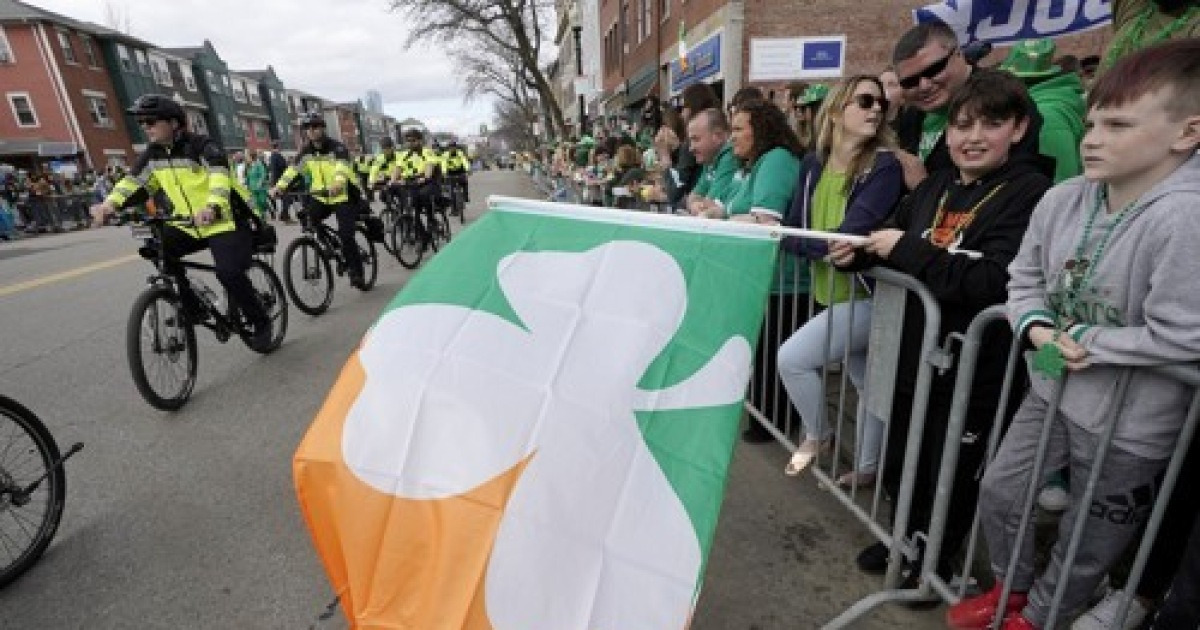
(1077, 274)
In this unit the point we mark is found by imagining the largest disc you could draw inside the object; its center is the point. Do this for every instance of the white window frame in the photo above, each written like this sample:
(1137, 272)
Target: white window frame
(68, 50)
(252, 92)
(665, 9)
(161, 72)
(12, 104)
(213, 85)
(6, 51)
(239, 91)
(125, 59)
(89, 51)
(142, 62)
(92, 98)
(189, 79)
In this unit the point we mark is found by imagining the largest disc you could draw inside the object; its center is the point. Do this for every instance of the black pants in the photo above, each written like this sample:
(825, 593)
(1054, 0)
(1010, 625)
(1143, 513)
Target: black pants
(1178, 521)
(462, 180)
(347, 220)
(981, 413)
(283, 204)
(232, 254)
(1182, 608)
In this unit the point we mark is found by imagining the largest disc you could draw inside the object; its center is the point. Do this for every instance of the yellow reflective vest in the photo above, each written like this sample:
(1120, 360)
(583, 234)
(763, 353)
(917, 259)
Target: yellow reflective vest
(324, 164)
(193, 173)
(383, 166)
(412, 164)
(455, 161)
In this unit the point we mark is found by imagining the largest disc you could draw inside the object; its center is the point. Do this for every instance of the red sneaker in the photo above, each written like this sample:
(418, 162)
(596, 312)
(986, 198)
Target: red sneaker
(1017, 621)
(976, 613)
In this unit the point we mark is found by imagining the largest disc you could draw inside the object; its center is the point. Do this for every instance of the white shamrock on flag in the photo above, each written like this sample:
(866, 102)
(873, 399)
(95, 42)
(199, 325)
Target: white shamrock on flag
(593, 536)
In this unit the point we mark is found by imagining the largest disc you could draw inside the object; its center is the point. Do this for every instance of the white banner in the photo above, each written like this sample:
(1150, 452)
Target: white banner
(1010, 21)
(792, 58)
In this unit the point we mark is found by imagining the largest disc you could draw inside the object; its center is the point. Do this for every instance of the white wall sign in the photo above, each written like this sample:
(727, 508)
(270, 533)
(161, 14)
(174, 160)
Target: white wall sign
(792, 58)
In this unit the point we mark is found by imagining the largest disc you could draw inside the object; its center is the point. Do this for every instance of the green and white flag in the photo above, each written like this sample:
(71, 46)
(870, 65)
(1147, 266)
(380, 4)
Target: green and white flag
(537, 432)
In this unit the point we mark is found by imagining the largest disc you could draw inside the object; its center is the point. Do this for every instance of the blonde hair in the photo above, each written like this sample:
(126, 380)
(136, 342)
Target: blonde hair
(829, 128)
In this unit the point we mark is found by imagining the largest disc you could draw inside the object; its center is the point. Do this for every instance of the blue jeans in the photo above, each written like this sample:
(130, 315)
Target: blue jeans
(801, 358)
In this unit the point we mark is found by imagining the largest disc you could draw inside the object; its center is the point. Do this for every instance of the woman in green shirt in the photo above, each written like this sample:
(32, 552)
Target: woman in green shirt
(769, 155)
(849, 184)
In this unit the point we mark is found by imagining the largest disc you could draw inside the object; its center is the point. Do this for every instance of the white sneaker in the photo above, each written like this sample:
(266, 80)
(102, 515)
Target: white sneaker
(1103, 616)
(1054, 498)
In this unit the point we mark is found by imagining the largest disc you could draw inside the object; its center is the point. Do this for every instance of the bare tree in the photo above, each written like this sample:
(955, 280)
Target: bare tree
(514, 30)
(117, 18)
(514, 125)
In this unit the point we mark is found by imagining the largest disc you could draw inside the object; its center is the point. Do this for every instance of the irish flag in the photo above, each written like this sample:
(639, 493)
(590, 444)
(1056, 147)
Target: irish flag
(536, 433)
(683, 64)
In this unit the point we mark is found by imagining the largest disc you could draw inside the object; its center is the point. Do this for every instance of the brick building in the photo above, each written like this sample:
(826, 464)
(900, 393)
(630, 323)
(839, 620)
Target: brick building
(60, 104)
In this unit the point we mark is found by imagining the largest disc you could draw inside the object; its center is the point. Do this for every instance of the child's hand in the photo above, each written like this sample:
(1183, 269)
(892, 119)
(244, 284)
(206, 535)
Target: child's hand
(841, 253)
(1073, 354)
(882, 242)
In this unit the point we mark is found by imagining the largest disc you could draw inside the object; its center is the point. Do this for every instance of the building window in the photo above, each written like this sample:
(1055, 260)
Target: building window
(64, 42)
(647, 19)
(6, 55)
(624, 36)
(196, 122)
(212, 82)
(254, 94)
(239, 92)
(161, 74)
(189, 80)
(97, 106)
(260, 130)
(22, 109)
(228, 85)
(124, 58)
(664, 9)
(89, 51)
(143, 63)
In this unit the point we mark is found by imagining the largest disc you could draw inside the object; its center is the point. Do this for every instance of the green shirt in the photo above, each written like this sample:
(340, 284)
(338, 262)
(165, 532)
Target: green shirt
(768, 189)
(932, 128)
(828, 212)
(717, 176)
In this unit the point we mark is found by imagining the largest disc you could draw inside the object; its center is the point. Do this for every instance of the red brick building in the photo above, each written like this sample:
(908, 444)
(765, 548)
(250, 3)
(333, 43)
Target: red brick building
(59, 101)
(640, 41)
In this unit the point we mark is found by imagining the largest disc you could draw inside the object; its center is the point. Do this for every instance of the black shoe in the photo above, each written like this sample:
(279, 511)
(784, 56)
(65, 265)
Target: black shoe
(756, 434)
(873, 559)
(261, 338)
(357, 281)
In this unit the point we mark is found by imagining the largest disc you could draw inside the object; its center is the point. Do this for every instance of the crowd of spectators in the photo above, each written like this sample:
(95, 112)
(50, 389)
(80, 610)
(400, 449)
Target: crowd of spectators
(46, 201)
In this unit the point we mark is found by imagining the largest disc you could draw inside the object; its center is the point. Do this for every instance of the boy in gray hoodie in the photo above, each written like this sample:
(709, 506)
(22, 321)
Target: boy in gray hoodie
(1104, 283)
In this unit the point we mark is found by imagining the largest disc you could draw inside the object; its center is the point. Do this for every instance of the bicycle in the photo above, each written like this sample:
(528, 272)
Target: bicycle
(391, 210)
(415, 232)
(161, 337)
(33, 488)
(458, 196)
(308, 271)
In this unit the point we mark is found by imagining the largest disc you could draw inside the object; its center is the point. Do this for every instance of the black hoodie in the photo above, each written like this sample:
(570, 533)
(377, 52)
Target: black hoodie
(963, 286)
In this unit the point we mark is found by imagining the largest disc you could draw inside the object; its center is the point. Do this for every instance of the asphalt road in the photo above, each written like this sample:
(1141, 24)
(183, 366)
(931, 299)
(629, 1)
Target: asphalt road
(189, 519)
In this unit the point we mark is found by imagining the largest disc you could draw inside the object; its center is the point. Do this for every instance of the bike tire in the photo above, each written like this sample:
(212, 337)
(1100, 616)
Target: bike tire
(309, 286)
(20, 465)
(172, 342)
(269, 290)
(409, 241)
(460, 206)
(440, 230)
(388, 216)
(369, 257)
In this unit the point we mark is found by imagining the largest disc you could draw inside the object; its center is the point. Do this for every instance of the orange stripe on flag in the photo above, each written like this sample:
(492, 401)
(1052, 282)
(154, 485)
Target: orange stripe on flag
(396, 563)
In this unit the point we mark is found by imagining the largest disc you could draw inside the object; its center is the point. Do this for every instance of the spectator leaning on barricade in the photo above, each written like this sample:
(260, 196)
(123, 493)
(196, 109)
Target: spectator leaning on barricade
(628, 174)
(708, 134)
(982, 205)
(849, 183)
(1058, 95)
(1104, 284)
(770, 164)
(694, 99)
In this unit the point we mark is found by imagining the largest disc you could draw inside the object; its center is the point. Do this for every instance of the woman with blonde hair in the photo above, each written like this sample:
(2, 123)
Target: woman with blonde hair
(849, 183)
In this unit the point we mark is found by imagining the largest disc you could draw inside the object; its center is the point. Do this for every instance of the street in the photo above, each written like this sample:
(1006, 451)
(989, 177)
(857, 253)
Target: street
(190, 520)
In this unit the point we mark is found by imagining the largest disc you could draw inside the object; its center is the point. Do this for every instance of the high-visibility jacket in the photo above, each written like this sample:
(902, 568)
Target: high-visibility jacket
(324, 163)
(362, 165)
(455, 161)
(383, 166)
(193, 173)
(412, 164)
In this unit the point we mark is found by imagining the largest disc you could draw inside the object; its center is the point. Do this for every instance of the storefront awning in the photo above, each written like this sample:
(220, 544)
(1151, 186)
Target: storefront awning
(639, 86)
(41, 148)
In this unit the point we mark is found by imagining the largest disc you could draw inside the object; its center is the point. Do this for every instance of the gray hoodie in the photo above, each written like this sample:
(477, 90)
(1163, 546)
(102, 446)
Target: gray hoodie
(1141, 308)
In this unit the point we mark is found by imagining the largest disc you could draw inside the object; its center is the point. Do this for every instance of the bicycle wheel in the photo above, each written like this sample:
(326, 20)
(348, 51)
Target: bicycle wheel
(439, 228)
(368, 256)
(269, 291)
(160, 344)
(388, 216)
(409, 240)
(28, 516)
(308, 276)
(460, 206)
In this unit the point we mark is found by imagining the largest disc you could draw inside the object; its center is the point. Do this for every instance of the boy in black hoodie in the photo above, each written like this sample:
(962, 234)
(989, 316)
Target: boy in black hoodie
(957, 233)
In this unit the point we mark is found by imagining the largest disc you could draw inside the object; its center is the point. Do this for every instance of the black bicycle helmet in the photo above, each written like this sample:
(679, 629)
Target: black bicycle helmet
(157, 106)
(387, 143)
(312, 119)
(413, 134)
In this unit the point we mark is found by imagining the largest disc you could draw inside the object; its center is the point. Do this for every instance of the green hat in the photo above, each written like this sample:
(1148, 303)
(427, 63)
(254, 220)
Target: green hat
(814, 93)
(1032, 59)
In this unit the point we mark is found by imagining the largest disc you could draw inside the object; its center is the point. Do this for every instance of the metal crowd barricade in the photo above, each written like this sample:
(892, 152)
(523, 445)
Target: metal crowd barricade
(766, 394)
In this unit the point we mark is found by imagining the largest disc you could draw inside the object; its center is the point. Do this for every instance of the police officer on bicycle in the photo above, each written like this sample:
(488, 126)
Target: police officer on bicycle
(192, 172)
(385, 168)
(333, 187)
(421, 167)
(458, 167)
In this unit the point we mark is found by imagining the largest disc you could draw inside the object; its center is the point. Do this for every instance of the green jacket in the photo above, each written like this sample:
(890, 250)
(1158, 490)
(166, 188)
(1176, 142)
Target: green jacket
(1061, 103)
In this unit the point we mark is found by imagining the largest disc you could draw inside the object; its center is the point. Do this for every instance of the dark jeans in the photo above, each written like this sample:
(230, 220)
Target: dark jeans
(232, 253)
(347, 219)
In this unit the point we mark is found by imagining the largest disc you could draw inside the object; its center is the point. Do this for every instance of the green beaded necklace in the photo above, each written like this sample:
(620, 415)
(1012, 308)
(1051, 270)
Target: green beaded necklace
(1133, 38)
(1078, 273)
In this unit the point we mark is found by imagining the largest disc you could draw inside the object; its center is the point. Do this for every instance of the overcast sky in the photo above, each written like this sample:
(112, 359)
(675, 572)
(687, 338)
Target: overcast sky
(337, 49)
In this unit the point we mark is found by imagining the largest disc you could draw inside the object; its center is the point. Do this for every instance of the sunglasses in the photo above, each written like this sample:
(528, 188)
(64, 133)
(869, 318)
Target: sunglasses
(930, 72)
(148, 122)
(866, 101)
